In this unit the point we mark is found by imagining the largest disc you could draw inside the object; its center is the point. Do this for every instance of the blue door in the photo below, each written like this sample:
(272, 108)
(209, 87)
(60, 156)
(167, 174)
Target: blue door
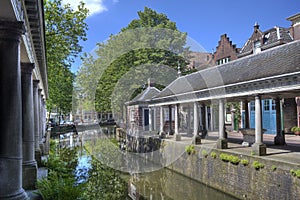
(268, 115)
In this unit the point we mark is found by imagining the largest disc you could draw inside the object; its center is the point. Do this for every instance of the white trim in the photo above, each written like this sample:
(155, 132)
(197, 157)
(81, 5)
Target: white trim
(240, 94)
(229, 85)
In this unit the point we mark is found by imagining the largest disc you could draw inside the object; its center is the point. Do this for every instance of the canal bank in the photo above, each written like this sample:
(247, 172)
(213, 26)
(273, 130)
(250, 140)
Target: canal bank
(243, 175)
(236, 170)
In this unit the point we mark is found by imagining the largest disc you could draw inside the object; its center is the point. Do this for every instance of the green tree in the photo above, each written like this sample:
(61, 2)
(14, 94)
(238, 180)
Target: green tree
(150, 40)
(64, 28)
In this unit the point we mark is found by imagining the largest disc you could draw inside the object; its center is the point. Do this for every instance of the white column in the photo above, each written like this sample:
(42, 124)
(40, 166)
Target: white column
(196, 118)
(221, 119)
(222, 142)
(176, 119)
(161, 119)
(258, 120)
(259, 148)
(150, 119)
(177, 136)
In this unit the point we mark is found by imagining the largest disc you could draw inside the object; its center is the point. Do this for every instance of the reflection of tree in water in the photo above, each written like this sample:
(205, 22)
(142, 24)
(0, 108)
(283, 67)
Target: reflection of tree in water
(151, 185)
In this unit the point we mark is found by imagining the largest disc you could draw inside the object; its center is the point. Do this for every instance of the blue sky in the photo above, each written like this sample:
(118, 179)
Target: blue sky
(204, 21)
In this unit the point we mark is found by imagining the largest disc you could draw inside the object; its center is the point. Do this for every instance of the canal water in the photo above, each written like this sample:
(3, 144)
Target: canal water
(161, 184)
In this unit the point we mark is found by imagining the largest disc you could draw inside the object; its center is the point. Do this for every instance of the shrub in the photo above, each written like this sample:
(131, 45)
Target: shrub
(229, 158)
(273, 167)
(56, 187)
(204, 153)
(245, 162)
(257, 165)
(295, 173)
(224, 157)
(190, 149)
(213, 154)
(60, 182)
(234, 159)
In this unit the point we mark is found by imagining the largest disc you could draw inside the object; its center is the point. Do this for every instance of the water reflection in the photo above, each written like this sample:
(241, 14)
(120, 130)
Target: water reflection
(161, 184)
(165, 184)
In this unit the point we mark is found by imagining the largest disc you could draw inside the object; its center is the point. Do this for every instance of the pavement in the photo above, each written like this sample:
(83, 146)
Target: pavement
(33, 194)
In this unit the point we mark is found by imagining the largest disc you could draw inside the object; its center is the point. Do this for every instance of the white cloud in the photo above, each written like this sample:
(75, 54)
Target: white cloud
(94, 6)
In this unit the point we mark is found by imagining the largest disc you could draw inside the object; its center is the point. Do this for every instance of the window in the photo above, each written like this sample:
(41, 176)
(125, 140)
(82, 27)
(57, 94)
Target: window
(266, 104)
(273, 104)
(252, 106)
(132, 115)
(256, 48)
(223, 61)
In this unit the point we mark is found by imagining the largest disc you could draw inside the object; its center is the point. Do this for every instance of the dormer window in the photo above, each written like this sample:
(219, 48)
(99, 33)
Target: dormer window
(256, 48)
(223, 61)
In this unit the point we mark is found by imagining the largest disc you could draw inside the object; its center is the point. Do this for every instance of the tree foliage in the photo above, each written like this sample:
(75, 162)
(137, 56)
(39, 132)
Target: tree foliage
(64, 28)
(150, 40)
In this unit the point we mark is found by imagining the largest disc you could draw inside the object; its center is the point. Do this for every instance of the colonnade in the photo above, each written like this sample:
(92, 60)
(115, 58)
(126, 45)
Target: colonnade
(200, 122)
(20, 119)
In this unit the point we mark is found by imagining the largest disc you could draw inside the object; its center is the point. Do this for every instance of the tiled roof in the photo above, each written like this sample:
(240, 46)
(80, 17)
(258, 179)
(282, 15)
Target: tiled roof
(276, 61)
(147, 94)
(270, 38)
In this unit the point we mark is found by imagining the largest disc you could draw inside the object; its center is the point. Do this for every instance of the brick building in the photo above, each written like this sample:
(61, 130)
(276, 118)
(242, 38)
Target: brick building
(225, 51)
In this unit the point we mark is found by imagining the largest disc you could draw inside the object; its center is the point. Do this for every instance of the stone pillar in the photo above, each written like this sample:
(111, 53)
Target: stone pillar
(29, 164)
(177, 136)
(40, 121)
(170, 120)
(11, 109)
(258, 147)
(188, 119)
(203, 118)
(280, 137)
(150, 120)
(161, 119)
(222, 142)
(196, 138)
(37, 149)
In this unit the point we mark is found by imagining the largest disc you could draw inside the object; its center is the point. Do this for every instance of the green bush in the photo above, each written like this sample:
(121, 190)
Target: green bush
(224, 157)
(295, 173)
(60, 182)
(190, 149)
(257, 165)
(204, 153)
(234, 159)
(273, 167)
(56, 187)
(213, 154)
(245, 162)
(229, 158)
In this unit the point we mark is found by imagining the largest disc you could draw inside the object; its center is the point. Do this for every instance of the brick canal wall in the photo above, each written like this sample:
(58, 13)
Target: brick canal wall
(273, 181)
(143, 144)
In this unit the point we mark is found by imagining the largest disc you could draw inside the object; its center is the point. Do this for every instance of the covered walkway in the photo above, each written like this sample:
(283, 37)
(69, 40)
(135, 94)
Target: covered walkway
(271, 74)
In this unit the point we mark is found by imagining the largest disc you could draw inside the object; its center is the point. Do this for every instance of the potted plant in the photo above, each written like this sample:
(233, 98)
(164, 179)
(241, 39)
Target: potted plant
(296, 130)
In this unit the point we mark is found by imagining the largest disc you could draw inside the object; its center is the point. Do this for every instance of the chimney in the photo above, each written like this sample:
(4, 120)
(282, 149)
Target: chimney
(151, 82)
(256, 27)
(295, 26)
